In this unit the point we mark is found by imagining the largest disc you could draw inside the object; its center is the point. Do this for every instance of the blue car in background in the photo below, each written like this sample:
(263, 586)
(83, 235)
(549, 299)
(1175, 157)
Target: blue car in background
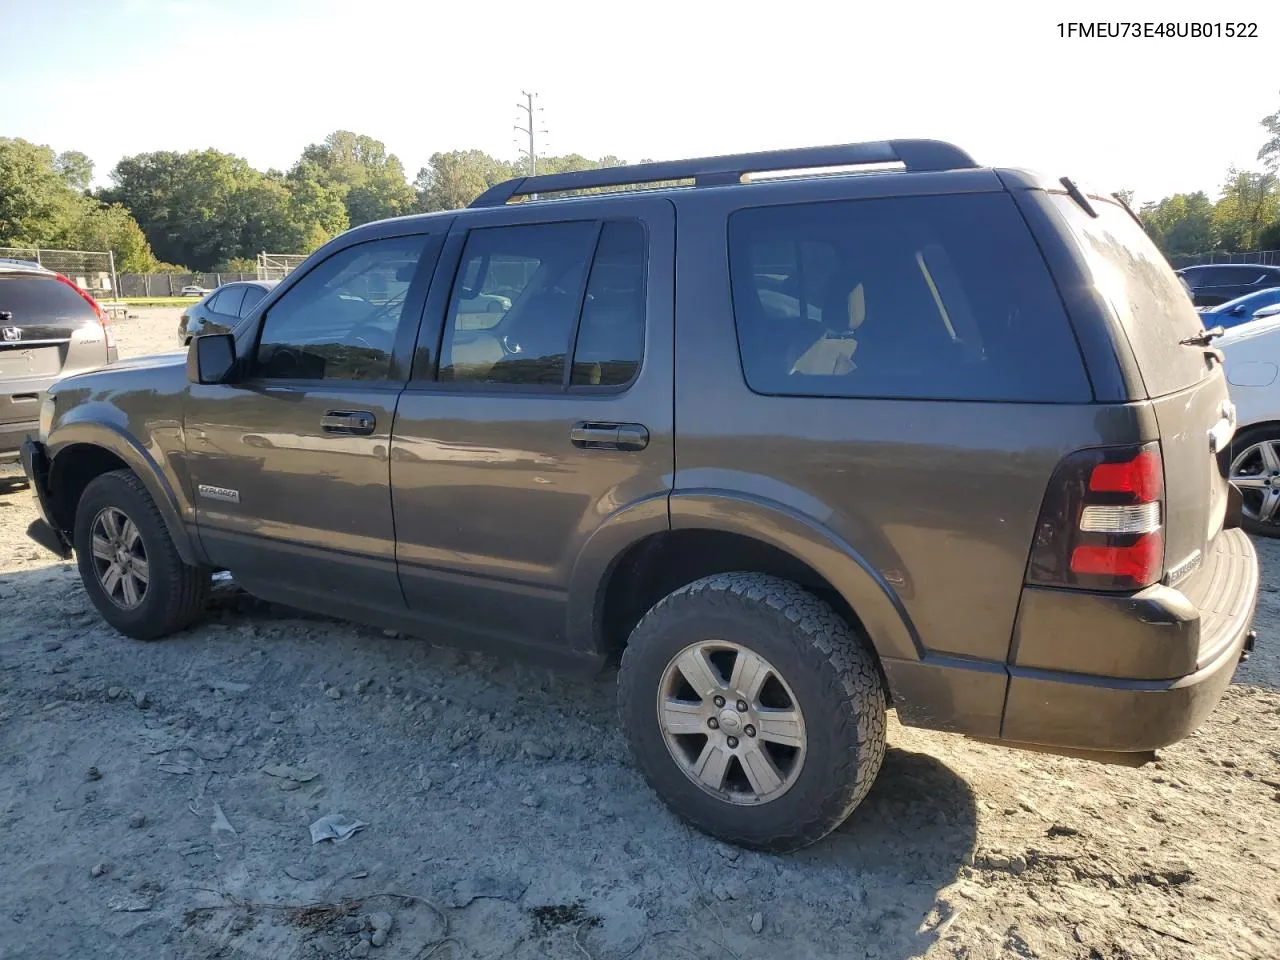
(1252, 306)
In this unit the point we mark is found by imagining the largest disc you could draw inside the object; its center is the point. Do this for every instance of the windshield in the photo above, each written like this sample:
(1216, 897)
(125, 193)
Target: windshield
(1143, 292)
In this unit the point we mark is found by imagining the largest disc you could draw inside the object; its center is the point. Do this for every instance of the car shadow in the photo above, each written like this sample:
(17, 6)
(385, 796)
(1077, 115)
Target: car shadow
(12, 483)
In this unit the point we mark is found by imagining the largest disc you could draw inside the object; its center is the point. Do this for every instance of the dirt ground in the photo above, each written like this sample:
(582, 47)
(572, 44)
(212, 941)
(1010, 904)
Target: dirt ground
(155, 802)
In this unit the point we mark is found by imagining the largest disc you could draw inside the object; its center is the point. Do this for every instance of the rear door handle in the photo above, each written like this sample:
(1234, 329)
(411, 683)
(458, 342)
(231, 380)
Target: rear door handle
(593, 435)
(350, 422)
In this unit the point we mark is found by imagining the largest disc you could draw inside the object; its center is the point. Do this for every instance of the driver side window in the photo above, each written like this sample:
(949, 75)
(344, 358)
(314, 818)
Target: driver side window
(339, 322)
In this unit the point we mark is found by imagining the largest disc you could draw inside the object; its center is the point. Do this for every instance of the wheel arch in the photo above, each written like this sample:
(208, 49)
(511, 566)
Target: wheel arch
(83, 450)
(709, 534)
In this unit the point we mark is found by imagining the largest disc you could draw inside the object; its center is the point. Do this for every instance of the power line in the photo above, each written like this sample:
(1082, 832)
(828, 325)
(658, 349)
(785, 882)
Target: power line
(531, 129)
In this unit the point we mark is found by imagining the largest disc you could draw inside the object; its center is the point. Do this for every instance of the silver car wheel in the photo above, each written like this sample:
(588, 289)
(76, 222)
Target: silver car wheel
(119, 558)
(731, 722)
(1256, 471)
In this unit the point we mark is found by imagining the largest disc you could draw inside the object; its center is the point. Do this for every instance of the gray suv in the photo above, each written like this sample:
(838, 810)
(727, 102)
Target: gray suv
(795, 446)
(48, 327)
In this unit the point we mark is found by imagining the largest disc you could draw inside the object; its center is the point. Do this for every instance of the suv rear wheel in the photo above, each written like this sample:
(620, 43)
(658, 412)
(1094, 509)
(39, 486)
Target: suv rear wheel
(753, 710)
(129, 566)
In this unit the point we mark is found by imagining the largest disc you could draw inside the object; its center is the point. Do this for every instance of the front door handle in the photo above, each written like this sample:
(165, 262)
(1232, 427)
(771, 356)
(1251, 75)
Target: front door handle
(593, 435)
(358, 423)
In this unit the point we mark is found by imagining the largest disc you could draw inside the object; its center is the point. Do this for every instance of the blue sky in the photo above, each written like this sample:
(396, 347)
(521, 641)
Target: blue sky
(657, 79)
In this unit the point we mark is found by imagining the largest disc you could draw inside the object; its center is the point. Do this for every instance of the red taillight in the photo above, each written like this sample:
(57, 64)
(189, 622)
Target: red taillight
(97, 307)
(1101, 523)
(1140, 562)
(1142, 477)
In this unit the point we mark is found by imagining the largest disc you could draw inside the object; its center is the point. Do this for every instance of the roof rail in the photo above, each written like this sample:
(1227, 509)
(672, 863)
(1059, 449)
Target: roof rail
(715, 171)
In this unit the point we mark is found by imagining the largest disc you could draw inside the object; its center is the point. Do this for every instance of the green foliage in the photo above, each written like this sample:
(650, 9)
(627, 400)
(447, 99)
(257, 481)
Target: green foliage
(42, 204)
(75, 168)
(1181, 224)
(1270, 152)
(37, 206)
(452, 180)
(1250, 202)
(109, 227)
(359, 172)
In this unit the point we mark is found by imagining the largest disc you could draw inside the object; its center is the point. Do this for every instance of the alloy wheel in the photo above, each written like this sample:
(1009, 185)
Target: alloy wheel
(731, 722)
(1256, 471)
(119, 558)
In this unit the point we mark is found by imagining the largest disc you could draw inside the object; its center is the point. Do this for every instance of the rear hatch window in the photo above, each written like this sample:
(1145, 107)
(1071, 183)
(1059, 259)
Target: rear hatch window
(1144, 292)
(40, 301)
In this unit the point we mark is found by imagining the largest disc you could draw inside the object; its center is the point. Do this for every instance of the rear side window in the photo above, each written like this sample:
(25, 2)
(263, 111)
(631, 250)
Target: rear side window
(1143, 292)
(227, 301)
(41, 300)
(919, 297)
(251, 297)
(528, 298)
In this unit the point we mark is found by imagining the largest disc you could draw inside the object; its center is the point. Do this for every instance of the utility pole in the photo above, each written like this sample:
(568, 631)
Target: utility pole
(530, 128)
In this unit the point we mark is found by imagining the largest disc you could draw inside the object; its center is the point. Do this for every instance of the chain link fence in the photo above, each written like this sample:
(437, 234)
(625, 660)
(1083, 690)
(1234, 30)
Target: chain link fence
(92, 270)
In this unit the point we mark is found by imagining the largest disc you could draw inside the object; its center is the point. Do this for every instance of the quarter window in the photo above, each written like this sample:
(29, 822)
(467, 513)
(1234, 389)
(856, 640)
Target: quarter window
(227, 301)
(921, 297)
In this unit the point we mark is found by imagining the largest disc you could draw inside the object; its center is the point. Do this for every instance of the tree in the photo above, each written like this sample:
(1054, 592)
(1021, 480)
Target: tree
(1270, 152)
(41, 205)
(370, 182)
(111, 228)
(1250, 201)
(452, 180)
(75, 168)
(36, 204)
(1181, 224)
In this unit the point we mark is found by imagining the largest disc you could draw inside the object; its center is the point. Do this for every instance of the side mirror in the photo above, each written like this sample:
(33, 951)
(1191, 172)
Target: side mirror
(211, 358)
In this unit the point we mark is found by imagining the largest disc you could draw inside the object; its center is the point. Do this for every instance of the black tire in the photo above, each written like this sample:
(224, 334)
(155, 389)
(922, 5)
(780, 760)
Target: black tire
(832, 674)
(175, 592)
(1242, 442)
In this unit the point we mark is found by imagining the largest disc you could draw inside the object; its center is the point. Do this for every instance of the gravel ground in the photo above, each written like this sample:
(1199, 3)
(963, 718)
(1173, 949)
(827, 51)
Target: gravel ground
(156, 798)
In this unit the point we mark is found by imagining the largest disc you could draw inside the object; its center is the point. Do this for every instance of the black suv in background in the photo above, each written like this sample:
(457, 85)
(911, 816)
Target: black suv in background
(48, 327)
(1215, 283)
(794, 446)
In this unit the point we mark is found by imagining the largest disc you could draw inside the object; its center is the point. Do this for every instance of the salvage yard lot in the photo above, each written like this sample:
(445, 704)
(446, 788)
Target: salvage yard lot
(155, 800)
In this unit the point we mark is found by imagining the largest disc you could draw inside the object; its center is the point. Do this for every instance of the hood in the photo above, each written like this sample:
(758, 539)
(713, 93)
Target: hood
(157, 371)
(1247, 331)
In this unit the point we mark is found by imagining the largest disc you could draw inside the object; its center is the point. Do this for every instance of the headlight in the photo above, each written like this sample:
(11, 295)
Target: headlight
(46, 418)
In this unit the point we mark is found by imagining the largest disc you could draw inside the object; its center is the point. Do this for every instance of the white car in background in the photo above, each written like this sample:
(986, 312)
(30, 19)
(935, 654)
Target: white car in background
(1252, 352)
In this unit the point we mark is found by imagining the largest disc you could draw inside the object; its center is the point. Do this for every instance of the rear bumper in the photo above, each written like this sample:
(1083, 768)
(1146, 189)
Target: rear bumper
(12, 435)
(20, 412)
(1097, 673)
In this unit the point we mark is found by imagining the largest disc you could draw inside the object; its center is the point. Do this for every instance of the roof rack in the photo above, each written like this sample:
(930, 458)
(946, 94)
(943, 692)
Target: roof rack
(717, 171)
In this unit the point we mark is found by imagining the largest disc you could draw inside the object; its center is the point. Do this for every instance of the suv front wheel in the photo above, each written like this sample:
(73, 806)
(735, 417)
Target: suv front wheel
(753, 710)
(129, 566)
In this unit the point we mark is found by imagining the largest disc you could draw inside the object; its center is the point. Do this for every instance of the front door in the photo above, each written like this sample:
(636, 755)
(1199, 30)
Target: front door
(288, 465)
(540, 410)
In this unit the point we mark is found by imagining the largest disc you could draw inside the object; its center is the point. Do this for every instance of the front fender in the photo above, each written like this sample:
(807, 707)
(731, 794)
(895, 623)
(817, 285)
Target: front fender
(79, 429)
(873, 599)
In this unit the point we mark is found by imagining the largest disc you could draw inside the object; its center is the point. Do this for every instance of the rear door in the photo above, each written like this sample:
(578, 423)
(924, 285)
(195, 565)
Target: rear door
(1187, 386)
(540, 409)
